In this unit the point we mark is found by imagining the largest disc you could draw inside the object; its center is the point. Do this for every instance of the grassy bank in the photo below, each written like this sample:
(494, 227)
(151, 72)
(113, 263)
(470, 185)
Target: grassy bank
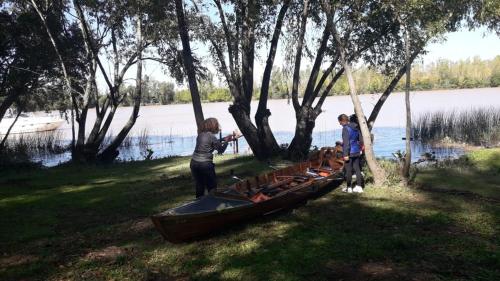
(91, 223)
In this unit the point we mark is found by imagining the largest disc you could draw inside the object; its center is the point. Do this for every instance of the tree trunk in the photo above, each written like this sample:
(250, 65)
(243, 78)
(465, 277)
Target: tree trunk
(241, 86)
(188, 62)
(96, 137)
(110, 153)
(301, 142)
(248, 54)
(310, 88)
(4, 139)
(78, 154)
(298, 57)
(306, 121)
(407, 162)
(6, 103)
(377, 171)
(262, 116)
(68, 89)
(248, 130)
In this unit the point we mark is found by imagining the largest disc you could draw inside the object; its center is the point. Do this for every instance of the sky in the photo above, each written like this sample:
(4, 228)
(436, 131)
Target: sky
(456, 46)
(464, 44)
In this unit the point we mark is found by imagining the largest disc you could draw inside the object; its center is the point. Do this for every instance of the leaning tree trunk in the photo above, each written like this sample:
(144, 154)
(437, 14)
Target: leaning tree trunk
(378, 173)
(383, 98)
(263, 113)
(6, 136)
(188, 62)
(110, 153)
(407, 161)
(6, 103)
(68, 88)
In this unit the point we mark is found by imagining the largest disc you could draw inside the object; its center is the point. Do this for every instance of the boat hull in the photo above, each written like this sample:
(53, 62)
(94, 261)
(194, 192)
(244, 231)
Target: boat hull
(30, 125)
(179, 228)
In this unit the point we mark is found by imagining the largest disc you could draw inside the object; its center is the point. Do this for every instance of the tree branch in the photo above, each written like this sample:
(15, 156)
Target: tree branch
(298, 57)
(389, 89)
(86, 36)
(325, 93)
(264, 90)
(227, 34)
(308, 93)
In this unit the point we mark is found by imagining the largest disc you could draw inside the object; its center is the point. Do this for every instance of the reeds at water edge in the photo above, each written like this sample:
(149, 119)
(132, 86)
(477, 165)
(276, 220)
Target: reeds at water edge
(477, 126)
(143, 138)
(49, 142)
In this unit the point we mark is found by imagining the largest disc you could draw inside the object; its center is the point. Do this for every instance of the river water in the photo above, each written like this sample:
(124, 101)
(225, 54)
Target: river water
(171, 129)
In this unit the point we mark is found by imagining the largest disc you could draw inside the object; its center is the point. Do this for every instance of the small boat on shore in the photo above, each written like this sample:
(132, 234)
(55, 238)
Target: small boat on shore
(258, 196)
(30, 124)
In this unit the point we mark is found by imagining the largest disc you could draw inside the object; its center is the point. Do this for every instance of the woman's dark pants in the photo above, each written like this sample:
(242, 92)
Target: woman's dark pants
(204, 176)
(353, 164)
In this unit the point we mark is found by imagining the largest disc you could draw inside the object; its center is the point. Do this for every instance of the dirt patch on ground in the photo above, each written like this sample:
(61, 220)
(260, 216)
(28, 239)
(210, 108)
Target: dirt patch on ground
(141, 225)
(365, 271)
(376, 271)
(108, 254)
(16, 260)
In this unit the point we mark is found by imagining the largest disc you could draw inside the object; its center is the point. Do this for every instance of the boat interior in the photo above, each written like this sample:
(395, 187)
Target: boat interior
(324, 163)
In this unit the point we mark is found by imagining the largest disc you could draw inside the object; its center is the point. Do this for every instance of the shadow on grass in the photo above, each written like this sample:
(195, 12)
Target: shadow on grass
(102, 232)
(64, 212)
(348, 238)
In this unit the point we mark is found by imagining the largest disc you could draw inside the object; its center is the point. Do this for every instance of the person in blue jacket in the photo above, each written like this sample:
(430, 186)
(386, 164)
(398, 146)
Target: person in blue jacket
(351, 146)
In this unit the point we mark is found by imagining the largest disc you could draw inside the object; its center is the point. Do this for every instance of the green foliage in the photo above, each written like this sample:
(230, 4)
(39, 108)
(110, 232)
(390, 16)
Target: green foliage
(219, 94)
(478, 172)
(278, 86)
(183, 96)
(443, 74)
(29, 69)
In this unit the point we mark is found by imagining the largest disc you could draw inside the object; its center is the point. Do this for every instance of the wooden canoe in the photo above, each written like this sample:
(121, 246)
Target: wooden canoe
(258, 196)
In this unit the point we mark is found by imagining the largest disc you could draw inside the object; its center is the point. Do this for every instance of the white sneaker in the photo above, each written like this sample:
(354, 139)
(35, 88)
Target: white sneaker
(349, 190)
(357, 189)
(344, 189)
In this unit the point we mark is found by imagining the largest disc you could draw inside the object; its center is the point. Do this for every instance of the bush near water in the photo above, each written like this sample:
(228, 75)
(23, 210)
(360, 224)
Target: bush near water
(477, 126)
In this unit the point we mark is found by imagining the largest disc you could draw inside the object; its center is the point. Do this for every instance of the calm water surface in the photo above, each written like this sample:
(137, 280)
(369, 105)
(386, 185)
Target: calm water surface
(172, 129)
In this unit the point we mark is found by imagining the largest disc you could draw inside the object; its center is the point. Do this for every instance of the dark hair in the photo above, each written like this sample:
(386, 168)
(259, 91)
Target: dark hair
(343, 117)
(209, 125)
(353, 119)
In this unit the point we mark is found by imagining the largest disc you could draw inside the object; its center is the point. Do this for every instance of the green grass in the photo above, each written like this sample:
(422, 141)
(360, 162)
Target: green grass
(477, 172)
(91, 223)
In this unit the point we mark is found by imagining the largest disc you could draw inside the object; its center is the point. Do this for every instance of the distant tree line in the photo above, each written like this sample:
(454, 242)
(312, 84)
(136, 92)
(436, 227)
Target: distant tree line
(442, 74)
